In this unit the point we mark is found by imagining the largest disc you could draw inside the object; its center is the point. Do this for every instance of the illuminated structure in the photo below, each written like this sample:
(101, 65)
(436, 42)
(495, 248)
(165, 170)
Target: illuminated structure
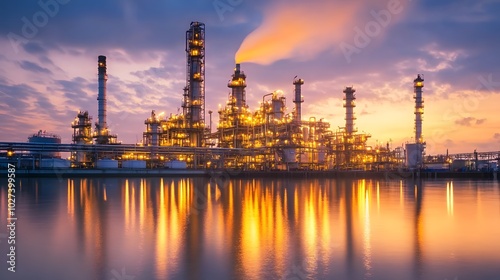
(235, 120)
(285, 141)
(419, 108)
(268, 138)
(299, 99)
(102, 135)
(194, 93)
(82, 134)
(415, 151)
(349, 147)
(188, 128)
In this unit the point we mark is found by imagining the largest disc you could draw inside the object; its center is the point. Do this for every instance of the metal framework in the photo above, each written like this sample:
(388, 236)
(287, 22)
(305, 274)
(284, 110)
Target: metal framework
(194, 92)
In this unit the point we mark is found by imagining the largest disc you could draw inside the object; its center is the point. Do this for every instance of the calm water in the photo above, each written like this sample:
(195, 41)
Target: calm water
(123, 229)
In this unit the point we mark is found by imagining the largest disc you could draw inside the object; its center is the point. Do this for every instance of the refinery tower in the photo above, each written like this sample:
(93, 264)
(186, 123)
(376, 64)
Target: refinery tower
(415, 151)
(194, 93)
(102, 135)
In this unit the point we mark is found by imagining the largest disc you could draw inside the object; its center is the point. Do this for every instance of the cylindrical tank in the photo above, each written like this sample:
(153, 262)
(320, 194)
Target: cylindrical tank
(43, 137)
(107, 163)
(139, 164)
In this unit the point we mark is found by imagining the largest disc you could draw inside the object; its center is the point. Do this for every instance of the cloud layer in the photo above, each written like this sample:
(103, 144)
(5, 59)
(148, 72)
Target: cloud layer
(46, 77)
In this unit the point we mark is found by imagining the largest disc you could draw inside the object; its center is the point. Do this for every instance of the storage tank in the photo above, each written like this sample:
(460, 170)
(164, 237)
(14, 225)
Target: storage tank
(176, 164)
(43, 137)
(106, 163)
(138, 164)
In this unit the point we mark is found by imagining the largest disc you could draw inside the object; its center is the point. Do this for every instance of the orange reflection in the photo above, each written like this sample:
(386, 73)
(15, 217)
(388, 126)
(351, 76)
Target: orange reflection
(71, 197)
(449, 198)
(161, 235)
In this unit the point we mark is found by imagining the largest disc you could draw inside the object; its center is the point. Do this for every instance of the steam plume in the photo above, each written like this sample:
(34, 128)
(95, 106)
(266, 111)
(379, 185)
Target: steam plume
(303, 28)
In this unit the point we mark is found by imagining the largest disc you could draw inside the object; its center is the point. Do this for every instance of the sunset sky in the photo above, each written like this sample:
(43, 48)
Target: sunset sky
(49, 49)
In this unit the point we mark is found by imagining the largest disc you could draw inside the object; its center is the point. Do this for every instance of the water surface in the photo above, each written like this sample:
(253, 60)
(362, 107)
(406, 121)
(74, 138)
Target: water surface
(197, 228)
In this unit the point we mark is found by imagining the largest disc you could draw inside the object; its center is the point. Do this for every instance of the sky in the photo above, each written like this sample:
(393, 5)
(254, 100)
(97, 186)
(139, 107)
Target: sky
(49, 50)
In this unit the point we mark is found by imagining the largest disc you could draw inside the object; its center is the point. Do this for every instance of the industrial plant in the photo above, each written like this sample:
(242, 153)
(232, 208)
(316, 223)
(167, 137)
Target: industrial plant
(260, 139)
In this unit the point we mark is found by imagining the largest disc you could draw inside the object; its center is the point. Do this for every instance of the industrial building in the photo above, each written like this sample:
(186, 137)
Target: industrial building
(264, 138)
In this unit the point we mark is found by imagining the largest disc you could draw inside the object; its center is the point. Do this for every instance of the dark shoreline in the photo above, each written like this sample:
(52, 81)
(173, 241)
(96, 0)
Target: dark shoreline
(388, 175)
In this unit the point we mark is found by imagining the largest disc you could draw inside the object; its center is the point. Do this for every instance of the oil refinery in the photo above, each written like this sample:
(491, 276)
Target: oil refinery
(261, 139)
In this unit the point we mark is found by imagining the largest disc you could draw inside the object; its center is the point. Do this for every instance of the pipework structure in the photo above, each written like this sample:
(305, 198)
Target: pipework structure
(82, 135)
(102, 135)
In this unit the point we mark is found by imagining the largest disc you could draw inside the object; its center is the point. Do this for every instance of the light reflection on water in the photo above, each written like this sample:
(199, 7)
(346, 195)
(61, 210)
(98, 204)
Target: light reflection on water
(165, 228)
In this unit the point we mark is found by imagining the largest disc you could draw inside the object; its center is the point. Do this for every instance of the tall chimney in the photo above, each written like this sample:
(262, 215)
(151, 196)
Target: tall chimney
(349, 110)
(298, 99)
(101, 97)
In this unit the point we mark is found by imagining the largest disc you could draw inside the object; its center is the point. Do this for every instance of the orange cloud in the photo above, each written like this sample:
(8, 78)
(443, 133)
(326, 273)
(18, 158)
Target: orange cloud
(303, 29)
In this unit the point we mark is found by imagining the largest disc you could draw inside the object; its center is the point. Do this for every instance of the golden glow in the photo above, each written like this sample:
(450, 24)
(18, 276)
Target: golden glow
(259, 224)
(71, 197)
(282, 36)
(162, 235)
(449, 198)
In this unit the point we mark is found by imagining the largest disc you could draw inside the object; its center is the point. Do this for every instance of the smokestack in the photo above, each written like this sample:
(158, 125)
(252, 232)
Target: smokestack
(349, 110)
(418, 84)
(101, 97)
(298, 98)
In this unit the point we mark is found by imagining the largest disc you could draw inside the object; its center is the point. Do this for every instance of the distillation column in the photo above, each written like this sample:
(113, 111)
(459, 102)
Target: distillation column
(101, 98)
(194, 96)
(237, 86)
(348, 139)
(418, 84)
(349, 110)
(298, 99)
(415, 151)
(237, 105)
(102, 134)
